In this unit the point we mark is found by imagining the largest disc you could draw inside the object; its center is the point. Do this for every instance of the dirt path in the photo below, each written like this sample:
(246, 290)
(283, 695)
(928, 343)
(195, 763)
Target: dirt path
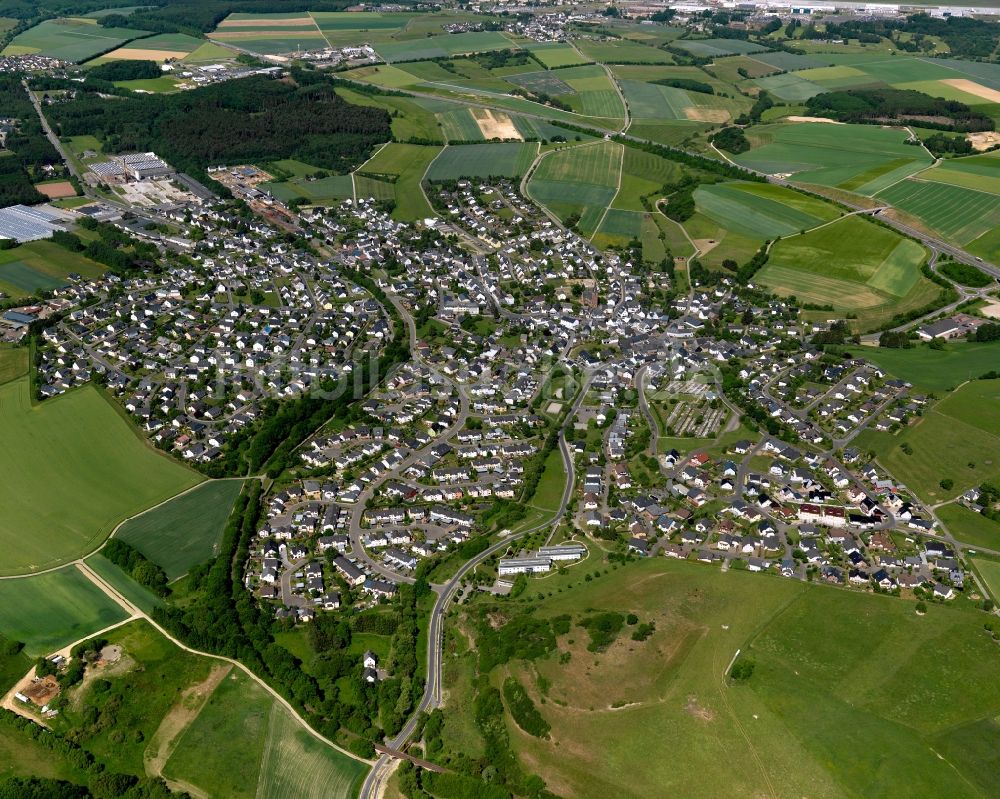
(179, 718)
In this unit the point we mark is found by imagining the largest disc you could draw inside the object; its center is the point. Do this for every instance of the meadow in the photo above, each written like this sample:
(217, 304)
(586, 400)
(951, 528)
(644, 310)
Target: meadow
(70, 39)
(990, 572)
(970, 527)
(73, 468)
(483, 160)
(719, 47)
(956, 439)
(937, 370)
(853, 265)
(41, 265)
(404, 165)
(675, 725)
(860, 158)
(185, 530)
(47, 611)
(13, 363)
(557, 54)
(442, 46)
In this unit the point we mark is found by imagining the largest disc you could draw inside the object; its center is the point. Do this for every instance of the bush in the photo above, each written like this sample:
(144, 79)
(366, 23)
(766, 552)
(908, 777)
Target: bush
(742, 669)
(523, 710)
(603, 629)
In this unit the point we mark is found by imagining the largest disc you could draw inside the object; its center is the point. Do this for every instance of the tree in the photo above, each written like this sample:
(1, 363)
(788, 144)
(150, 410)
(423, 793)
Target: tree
(947, 484)
(921, 607)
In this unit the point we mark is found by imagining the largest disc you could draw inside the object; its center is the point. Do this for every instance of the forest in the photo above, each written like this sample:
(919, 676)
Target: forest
(30, 149)
(259, 118)
(900, 106)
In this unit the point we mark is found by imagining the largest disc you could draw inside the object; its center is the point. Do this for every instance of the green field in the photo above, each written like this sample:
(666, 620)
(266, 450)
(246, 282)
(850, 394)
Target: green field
(937, 370)
(870, 683)
(406, 165)
(579, 180)
(990, 571)
(72, 469)
(643, 175)
(483, 160)
(185, 530)
(257, 749)
(70, 39)
(442, 46)
(150, 86)
(960, 214)
(853, 265)
(970, 527)
(859, 158)
(618, 52)
(556, 54)
(762, 210)
(552, 483)
(41, 265)
(956, 439)
(124, 584)
(719, 47)
(48, 611)
(13, 363)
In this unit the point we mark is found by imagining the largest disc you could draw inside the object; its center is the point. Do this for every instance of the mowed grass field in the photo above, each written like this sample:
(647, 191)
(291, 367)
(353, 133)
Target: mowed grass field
(957, 439)
(258, 749)
(937, 370)
(185, 530)
(70, 39)
(483, 160)
(578, 180)
(970, 527)
(48, 611)
(72, 469)
(852, 694)
(960, 214)
(859, 158)
(853, 265)
(41, 265)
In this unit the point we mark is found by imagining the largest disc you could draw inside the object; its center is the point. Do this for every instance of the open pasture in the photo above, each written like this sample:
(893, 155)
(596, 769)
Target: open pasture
(185, 530)
(48, 611)
(859, 158)
(483, 160)
(956, 439)
(443, 46)
(762, 210)
(937, 370)
(73, 39)
(970, 527)
(960, 214)
(72, 469)
(861, 668)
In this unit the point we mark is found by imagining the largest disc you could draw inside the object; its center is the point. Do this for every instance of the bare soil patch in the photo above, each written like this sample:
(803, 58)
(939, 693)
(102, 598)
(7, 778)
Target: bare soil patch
(705, 245)
(185, 710)
(814, 119)
(707, 114)
(992, 310)
(55, 191)
(971, 87)
(495, 124)
(139, 54)
(984, 140)
(693, 708)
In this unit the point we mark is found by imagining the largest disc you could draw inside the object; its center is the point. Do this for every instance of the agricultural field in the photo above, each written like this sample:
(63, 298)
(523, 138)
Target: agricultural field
(124, 584)
(554, 55)
(41, 265)
(442, 46)
(762, 210)
(74, 39)
(859, 158)
(47, 611)
(13, 363)
(853, 265)
(185, 530)
(937, 370)
(403, 166)
(956, 439)
(411, 118)
(579, 180)
(714, 48)
(990, 572)
(73, 469)
(270, 34)
(258, 749)
(623, 52)
(769, 735)
(483, 160)
(162, 47)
